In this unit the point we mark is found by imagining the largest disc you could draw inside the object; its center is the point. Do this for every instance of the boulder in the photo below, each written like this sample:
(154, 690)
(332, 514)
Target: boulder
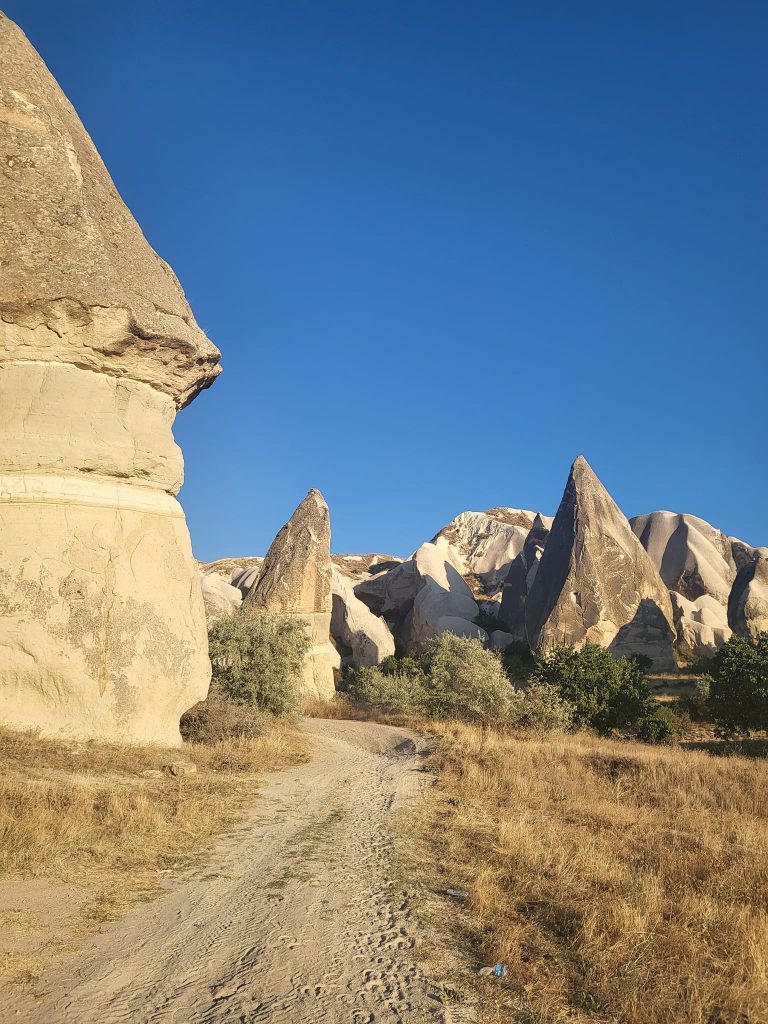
(748, 601)
(423, 597)
(361, 637)
(102, 624)
(520, 577)
(595, 582)
(219, 597)
(295, 579)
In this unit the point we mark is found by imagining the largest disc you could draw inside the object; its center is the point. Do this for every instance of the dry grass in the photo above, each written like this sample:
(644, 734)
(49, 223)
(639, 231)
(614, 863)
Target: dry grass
(85, 814)
(618, 882)
(65, 807)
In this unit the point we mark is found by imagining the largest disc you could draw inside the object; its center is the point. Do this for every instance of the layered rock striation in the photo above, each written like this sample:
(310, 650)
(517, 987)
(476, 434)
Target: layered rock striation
(101, 612)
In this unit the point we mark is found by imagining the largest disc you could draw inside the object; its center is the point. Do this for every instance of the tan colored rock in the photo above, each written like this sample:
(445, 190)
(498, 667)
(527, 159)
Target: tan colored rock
(595, 581)
(102, 625)
(362, 638)
(295, 579)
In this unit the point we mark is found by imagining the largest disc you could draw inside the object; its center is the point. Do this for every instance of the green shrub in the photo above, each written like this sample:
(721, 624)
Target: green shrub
(518, 661)
(391, 692)
(738, 695)
(643, 662)
(466, 681)
(219, 718)
(659, 725)
(257, 659)
(605, 692)
(456, 678)
(540, 708)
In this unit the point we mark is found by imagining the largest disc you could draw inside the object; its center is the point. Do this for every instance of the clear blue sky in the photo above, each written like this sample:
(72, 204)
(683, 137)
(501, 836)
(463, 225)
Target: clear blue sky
(445, 247)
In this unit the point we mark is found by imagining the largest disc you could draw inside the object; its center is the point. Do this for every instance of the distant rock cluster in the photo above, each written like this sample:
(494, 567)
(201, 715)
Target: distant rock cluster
(664, 585)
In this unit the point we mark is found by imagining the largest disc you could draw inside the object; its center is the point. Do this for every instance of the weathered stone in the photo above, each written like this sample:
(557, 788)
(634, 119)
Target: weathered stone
(295, 579)
(179, 768)
(219, 597)
(245, 579)
(748, 602)
(361, 637)
(595, 581)
(701, 625)
(102, 624)
(424, 597)
(486, 544)
(692, 557)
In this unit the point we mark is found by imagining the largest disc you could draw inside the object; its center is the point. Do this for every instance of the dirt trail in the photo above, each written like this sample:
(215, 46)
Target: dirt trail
(292, 922)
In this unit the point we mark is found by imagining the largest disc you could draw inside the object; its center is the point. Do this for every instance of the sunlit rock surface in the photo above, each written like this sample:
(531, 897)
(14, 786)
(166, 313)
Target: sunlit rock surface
(102, 624)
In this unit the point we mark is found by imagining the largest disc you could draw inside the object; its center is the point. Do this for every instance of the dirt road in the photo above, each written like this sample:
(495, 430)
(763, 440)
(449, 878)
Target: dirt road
(292, 922)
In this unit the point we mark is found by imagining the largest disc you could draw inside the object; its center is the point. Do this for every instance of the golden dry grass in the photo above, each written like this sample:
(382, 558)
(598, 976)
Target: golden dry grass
(618, 882)
(65, 807)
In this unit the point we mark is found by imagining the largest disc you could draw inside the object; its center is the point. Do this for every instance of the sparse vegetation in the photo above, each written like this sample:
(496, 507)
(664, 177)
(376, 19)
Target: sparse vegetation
(257, 659)
(219, 718)
(618, 882)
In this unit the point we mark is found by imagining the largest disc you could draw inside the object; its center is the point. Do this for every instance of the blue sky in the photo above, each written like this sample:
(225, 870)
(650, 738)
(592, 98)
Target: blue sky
(445, 247)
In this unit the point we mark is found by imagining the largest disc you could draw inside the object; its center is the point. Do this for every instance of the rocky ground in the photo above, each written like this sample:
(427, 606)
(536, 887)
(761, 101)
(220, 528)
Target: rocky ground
(294, 920)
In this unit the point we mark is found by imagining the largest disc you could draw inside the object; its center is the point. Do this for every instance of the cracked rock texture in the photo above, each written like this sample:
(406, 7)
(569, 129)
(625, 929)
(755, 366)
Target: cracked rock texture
(295, 579)
(595, 582)
(102, 623)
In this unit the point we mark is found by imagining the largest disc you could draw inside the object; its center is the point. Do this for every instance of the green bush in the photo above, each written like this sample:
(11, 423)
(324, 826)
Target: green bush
(738, 694)
(540, 708)
(605, 692)
(659, 725)
(456, 678)
(392, 692)
(257, 659)
(466, 681)
(219, 718)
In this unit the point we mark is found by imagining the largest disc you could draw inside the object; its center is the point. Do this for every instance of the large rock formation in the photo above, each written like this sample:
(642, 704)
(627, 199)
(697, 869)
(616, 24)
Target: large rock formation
(102, 625)
(361, 637)
(748, 602)
(295, 579)
(423, 597)
(595, 581)
(697, 564)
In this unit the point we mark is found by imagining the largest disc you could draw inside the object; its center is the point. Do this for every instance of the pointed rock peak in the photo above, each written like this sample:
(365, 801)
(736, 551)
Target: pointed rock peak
(595, 581)
(296, 574)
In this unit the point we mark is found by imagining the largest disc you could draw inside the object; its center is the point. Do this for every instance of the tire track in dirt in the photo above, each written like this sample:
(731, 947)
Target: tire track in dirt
(294, 921)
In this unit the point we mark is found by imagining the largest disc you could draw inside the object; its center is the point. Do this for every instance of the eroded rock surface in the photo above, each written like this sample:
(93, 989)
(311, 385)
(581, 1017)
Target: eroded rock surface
(295, 579)
(361, 637)
(102, 623)
(219, 597)
(423, 597)
(595, 581)
(748, 603)
(520, 577)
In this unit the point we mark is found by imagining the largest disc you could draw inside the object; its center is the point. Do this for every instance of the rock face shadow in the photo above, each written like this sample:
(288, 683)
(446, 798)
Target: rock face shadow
(647, 633)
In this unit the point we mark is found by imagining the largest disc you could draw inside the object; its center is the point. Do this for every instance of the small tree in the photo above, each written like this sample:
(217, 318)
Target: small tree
(391, 692)
(466, 681)
(604, 692)
(257, 659)
(738, 692)
(540, 708)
